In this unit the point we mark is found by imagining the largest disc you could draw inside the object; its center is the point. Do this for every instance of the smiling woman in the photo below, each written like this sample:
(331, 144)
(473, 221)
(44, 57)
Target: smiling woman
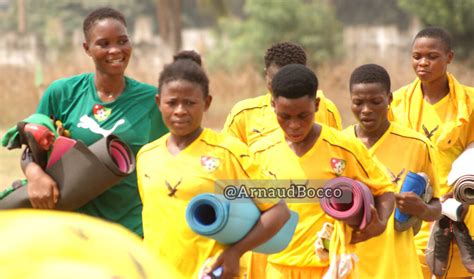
(93, 105)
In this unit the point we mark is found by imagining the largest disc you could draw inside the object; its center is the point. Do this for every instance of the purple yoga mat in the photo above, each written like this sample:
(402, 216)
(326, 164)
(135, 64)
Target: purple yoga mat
(354, 206)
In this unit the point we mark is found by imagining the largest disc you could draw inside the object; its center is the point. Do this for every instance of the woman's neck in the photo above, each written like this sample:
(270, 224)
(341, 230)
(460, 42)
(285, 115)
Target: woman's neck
(109, 87)
(177, 143)
(369, 138)
(435, 90)
(300, 148)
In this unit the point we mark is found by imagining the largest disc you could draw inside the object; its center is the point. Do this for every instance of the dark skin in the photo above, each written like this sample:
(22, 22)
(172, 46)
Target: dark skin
(370, 103)
(430, 59)
(108, 45)
(296, 118)
(182, 104)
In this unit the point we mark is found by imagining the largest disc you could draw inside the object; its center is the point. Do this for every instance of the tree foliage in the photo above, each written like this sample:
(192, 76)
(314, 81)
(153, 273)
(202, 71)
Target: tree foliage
(456, 16)
(67, 15)
(371, 12)
(311, 24)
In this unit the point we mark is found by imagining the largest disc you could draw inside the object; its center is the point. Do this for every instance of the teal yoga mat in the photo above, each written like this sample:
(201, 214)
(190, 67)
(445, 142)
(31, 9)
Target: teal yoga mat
(228, 221)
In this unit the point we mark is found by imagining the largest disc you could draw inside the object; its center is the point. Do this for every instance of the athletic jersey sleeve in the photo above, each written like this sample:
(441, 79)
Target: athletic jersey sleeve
(235, 125)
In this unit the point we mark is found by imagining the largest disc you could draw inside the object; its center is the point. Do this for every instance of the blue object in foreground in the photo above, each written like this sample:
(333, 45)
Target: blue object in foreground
(228, 221)
(413, 183)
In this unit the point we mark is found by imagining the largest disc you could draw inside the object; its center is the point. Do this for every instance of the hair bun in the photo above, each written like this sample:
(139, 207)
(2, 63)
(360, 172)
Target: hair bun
(188, 54)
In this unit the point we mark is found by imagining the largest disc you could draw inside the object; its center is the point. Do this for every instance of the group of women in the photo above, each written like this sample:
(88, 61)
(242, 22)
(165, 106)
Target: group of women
(289, 133)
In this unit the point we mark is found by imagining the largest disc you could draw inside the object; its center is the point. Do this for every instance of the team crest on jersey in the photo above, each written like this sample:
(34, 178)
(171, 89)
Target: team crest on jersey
(100, 112)
(338, 166)
(209, 163)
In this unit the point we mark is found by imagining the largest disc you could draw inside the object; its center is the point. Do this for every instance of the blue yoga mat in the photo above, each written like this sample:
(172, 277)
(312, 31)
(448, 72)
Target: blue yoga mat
(413, 183)
(228, 221)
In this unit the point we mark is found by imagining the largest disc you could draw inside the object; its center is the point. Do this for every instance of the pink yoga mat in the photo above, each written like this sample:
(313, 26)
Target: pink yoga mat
(60, 147)
(354, 206)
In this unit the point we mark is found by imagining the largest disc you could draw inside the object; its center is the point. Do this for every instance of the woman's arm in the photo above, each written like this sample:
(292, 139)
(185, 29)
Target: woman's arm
(271, 221)
(410, 203)
(43, 191)
(384, 205)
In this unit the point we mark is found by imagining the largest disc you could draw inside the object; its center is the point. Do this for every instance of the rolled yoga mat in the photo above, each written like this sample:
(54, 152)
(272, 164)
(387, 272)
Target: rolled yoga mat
(464, 189)
(463, 165)
(413, 183)
(228, 221)
(353, 208)
(82, 173)
(418, 184)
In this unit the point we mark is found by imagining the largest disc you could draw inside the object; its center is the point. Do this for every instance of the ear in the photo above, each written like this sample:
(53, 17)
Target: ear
(85, 46)
(268, 81)
(390, 98)
(316, 104)
(208, 102)
(272, 102)
(450, 56)
(157, 100)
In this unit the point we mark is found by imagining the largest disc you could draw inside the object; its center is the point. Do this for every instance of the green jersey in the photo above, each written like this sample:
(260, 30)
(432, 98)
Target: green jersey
(133, 116)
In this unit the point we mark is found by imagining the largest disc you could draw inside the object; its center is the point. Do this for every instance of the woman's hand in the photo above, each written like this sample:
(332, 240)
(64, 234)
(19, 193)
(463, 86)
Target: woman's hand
(410, 203)
(43, 191)
(375, 227)
(229, 260)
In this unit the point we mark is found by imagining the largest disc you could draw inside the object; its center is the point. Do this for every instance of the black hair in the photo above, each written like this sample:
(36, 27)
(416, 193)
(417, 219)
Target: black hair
(186, 65)
(294, 81)
(282, 54)
(436, 33)
(99, 14)
(370, 73)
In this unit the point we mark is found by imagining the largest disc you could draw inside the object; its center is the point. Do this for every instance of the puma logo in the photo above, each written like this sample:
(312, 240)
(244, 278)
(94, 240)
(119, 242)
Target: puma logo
(429, 134)
(172, 190)
(256, 131)
(88, 123)
(396, 178)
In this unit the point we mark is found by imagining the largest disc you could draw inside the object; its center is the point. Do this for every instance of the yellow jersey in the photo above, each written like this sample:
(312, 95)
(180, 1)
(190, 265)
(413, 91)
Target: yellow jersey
(251, 119)
(168, 182)
(333, 154)
(449, 125)
(393, 254)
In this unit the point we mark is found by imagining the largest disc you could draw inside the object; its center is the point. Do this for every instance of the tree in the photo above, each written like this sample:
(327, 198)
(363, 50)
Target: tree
(456, 16)
(311, 24)
(169, 22)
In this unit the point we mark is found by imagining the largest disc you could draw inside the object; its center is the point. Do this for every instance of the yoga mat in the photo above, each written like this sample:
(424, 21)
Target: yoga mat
(413, 183)
(227, 221)
(464, 189)
(83, 173)
(60, 147)
(463, 165)
(452, 209)
(356, 212)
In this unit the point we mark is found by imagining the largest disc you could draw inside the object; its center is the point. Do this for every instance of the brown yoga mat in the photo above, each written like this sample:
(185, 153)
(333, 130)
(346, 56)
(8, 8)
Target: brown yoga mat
(82, 173)
(464, 189)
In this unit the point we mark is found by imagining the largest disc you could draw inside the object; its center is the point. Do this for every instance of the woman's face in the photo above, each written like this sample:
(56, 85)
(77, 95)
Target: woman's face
(370, 103)
(430, 59)
(108, 44)
(295, 116)
(182, 104)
